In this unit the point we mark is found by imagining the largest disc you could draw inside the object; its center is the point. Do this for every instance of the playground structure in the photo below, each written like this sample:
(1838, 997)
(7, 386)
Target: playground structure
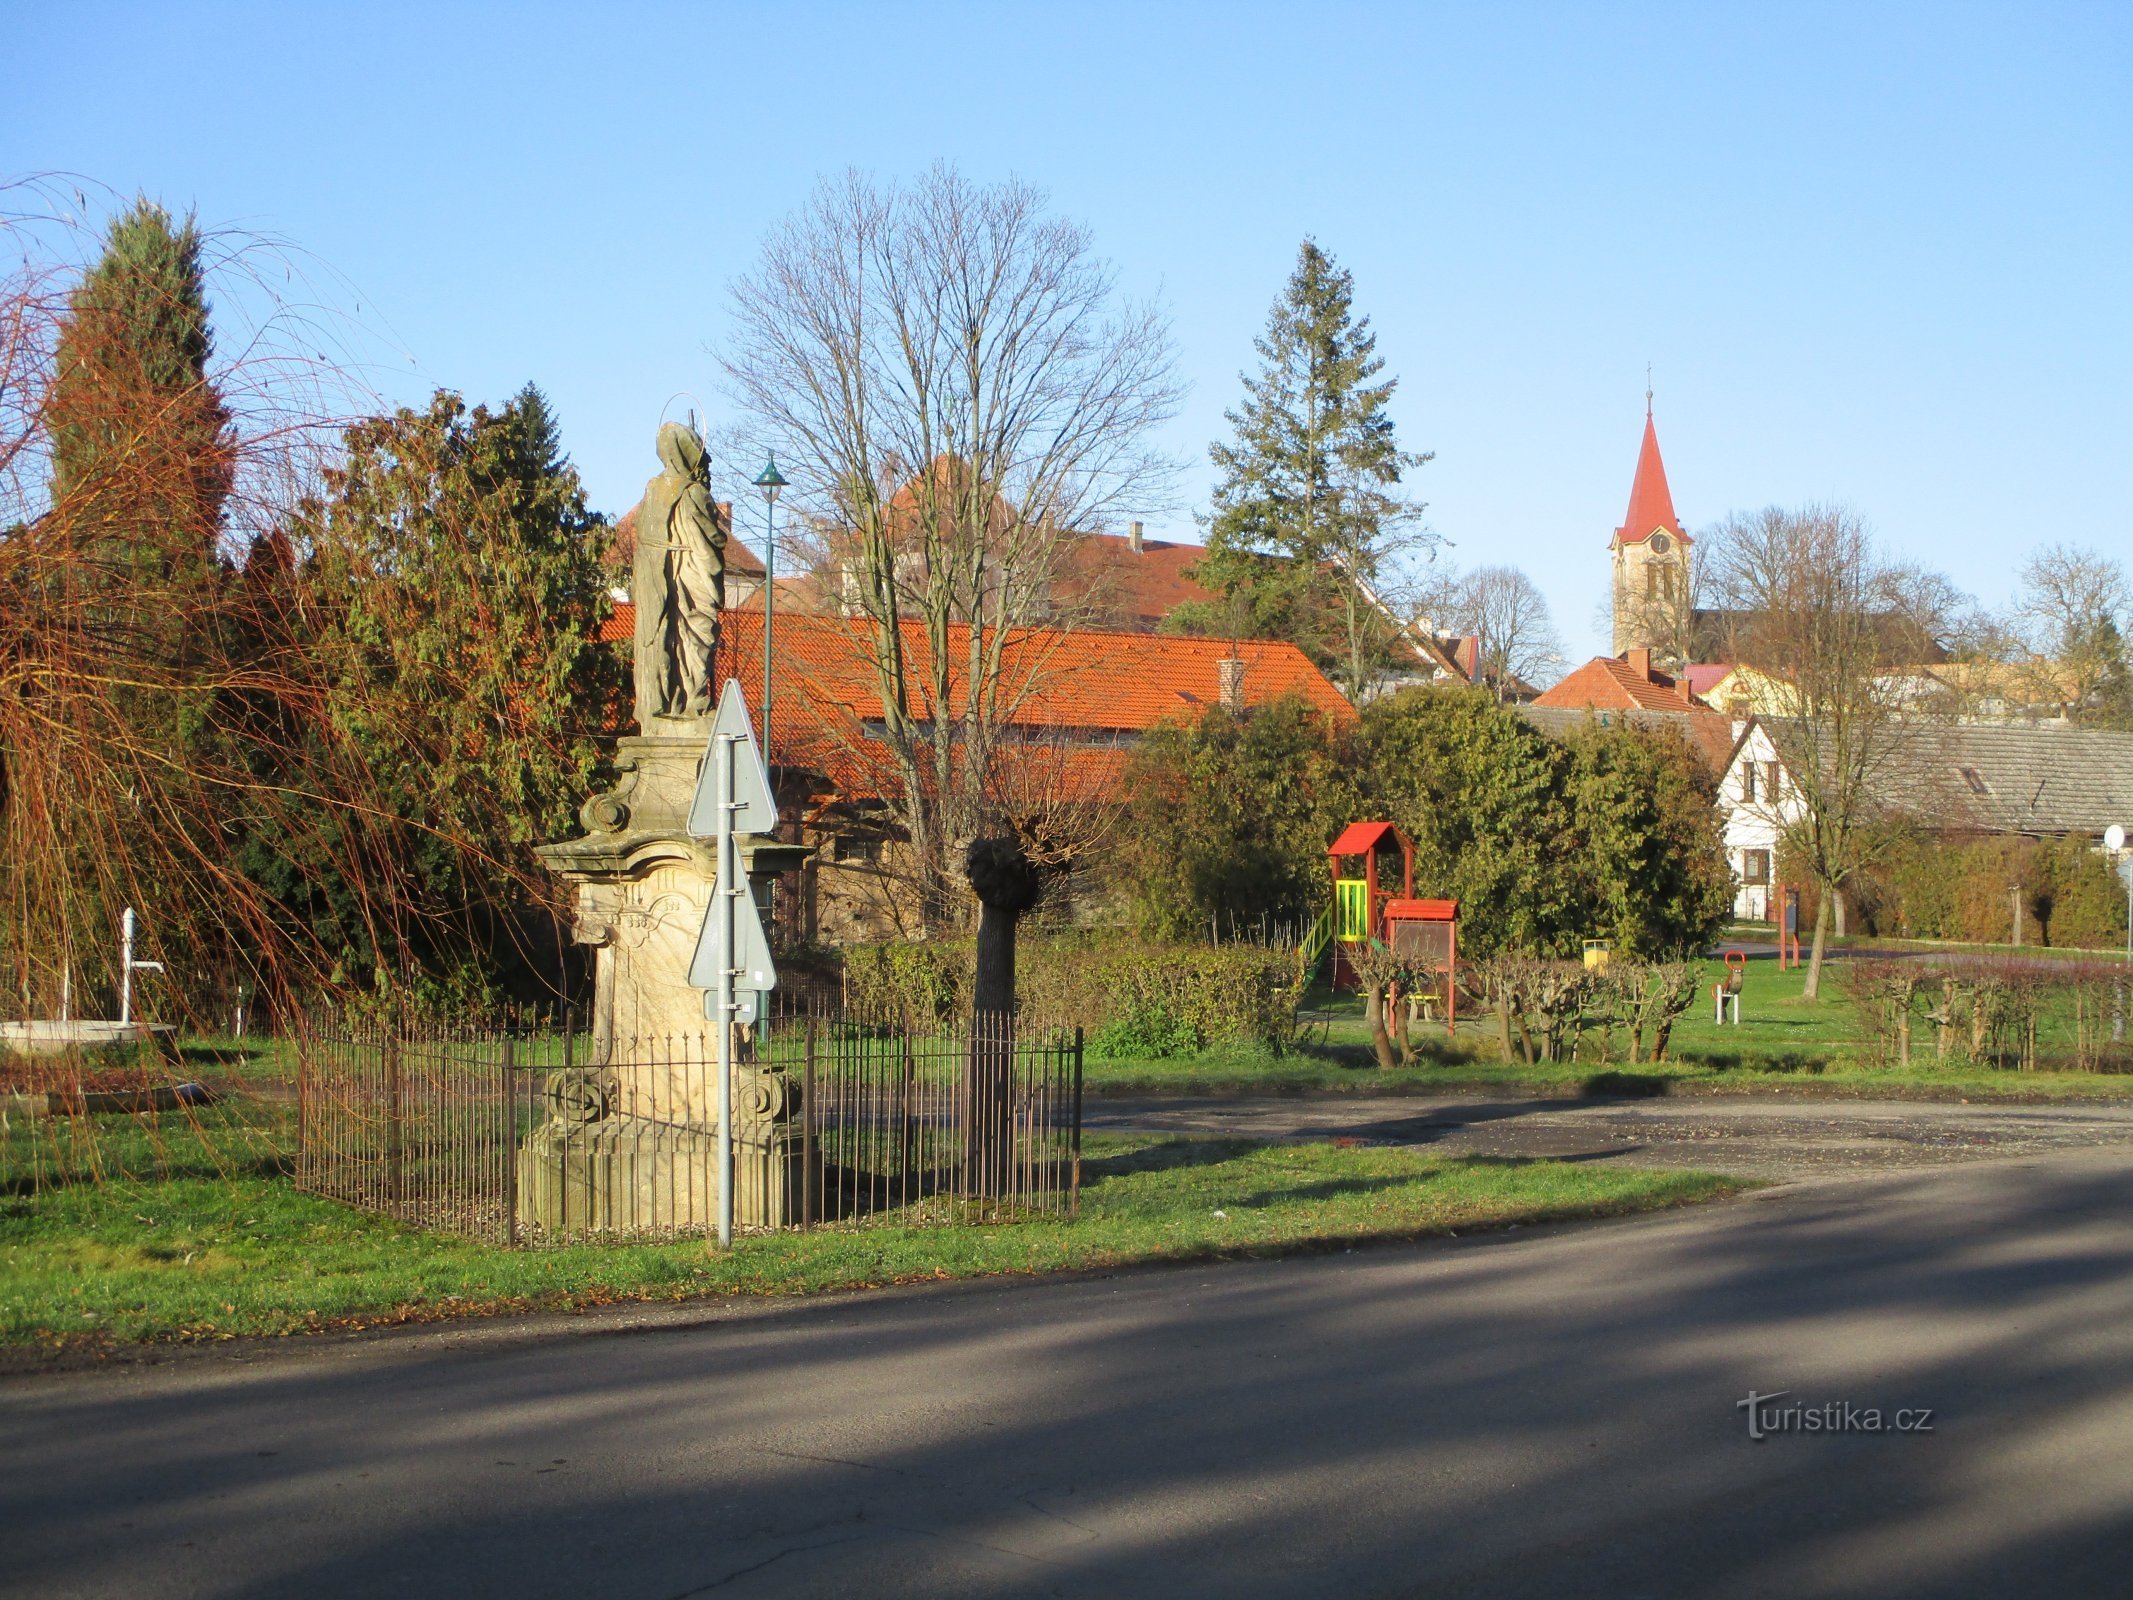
(1364, 912)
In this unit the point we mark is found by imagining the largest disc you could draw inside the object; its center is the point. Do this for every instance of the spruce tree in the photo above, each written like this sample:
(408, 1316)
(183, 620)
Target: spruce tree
(142, 447)
(1307, 517)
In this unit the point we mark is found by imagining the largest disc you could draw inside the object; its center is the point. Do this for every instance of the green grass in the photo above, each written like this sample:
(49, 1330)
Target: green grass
(221, 1244)
(1782, 1040)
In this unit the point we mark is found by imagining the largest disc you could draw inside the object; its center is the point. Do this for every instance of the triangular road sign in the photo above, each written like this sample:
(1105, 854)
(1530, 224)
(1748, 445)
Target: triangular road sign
(755, 811)
(752, 968)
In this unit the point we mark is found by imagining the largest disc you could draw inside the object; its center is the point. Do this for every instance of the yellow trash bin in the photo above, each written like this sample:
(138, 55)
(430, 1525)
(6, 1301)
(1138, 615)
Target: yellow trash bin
(1596, 954)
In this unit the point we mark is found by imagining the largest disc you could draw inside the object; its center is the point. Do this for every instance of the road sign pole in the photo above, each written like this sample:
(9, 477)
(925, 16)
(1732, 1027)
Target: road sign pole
(723, 920)
(732, 798)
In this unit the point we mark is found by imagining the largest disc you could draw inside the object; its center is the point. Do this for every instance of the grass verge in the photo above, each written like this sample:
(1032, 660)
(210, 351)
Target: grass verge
(1782, 1042)
(211, 1250)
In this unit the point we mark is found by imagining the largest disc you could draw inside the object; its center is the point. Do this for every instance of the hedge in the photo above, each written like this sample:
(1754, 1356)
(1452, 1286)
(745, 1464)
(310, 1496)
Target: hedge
(1135, 997)
(2071, 896)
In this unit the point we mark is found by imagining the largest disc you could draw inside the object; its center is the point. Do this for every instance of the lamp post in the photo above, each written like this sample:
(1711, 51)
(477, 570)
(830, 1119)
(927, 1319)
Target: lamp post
(2114, 845)
(770, 480)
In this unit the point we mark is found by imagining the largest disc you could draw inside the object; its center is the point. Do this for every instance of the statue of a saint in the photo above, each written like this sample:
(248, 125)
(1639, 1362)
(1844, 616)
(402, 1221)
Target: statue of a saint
(678, 583)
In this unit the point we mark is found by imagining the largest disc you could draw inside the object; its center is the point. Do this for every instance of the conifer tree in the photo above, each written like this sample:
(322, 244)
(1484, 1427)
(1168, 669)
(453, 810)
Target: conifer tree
(1308, 520)
(142, 447)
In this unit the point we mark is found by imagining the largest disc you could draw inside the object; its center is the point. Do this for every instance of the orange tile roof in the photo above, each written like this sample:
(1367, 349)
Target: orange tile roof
(1608, 683)
(1096, 686)
(1128, 588)
(741, 560)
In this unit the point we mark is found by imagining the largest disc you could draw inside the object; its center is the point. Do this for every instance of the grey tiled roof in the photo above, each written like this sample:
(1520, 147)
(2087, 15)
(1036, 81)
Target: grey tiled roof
(2005, 777)
(1710, 733)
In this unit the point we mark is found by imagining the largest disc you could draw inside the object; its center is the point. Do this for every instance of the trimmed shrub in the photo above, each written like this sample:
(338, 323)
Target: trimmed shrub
(1960, 890)
(925, 983)
(1133, 997)
(2087, 908)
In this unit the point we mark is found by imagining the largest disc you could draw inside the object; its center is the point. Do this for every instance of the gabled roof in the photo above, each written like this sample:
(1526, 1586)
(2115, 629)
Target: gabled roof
(1360, 838)
(1087, 689)
(1711, 736)
(1651, 503)
(1609, 683)
(1994, 777)
(1122, 587)
(1701, 677)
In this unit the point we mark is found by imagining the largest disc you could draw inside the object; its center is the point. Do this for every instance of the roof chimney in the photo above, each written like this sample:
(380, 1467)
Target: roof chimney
(1640, 662)
(1133, 536)
(1229, 673)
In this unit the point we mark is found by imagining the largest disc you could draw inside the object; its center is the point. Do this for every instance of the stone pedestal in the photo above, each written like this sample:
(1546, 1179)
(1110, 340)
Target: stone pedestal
(631, 1141)
(625, 1173)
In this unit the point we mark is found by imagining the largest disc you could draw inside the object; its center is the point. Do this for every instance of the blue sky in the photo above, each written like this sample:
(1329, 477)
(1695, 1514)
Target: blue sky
(1876, 254)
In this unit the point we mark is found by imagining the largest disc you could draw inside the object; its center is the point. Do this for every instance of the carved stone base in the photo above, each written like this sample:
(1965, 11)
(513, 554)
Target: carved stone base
(625, 1174)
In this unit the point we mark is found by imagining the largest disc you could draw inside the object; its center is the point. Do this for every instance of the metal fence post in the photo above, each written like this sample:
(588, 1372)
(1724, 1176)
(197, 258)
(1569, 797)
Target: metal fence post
(395, 1110)
(510, 1144)
(810, 1179)
(1074, 1191)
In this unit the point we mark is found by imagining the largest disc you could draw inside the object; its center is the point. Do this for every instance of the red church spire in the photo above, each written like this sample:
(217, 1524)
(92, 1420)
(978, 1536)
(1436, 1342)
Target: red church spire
(1651, 504)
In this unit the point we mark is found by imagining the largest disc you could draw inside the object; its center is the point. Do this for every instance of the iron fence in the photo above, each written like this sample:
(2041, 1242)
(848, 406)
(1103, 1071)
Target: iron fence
(530, 1136)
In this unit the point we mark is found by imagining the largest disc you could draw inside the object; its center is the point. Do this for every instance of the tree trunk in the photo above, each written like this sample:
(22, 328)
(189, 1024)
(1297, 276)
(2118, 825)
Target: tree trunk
(1836, 903)
(1006, 884)
(992, 986)
(1380, 1038)
(1813, 991)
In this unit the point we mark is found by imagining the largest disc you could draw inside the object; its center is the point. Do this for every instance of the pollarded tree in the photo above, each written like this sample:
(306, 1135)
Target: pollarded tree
(1308, 524)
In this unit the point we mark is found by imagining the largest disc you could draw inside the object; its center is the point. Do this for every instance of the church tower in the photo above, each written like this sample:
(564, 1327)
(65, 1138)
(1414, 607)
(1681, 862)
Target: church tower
(1651, 594)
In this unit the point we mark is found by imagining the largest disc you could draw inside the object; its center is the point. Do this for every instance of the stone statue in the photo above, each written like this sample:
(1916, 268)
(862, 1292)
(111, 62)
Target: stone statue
(678, 583)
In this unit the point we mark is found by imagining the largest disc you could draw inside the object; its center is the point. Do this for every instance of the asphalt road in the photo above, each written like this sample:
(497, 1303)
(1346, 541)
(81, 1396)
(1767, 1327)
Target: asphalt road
(1540, 1413)
(1757, 1136)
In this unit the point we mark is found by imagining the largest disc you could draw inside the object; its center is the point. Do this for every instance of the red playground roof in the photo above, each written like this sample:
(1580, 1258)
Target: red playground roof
(1360, 838)
(1421, 911)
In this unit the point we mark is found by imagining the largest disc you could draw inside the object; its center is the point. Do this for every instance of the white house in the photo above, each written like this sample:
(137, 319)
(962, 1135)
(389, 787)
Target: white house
(1757, 802)
(1958, 778)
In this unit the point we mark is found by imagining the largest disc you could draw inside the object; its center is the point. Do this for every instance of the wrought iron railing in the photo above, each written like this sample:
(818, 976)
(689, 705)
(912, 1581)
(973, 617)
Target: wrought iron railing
(836, 1120)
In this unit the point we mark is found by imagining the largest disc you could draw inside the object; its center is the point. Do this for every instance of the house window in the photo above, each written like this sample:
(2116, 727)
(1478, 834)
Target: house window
(846, 847)
(1773, 780)
(1747, 782)
(1976, 783)
(1755, 867)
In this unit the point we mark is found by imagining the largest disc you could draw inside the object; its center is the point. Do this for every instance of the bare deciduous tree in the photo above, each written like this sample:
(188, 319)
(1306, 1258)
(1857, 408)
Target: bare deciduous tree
(956, 388)
(1834, 627)
(1507, 614)
(2072, 618)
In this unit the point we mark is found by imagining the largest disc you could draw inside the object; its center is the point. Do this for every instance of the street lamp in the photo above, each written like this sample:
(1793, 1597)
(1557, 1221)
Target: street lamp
(770, 480)
(2114, 844)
